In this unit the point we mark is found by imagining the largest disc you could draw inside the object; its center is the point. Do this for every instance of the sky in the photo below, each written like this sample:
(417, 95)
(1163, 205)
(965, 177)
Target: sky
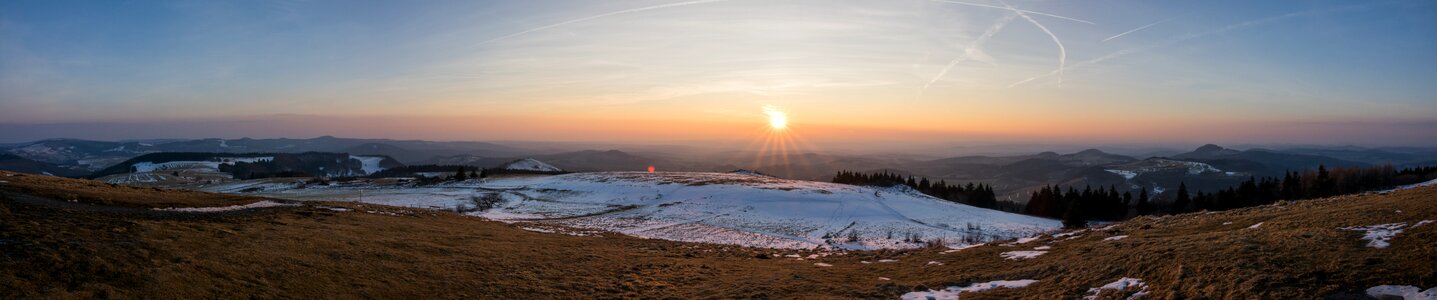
(902, 71)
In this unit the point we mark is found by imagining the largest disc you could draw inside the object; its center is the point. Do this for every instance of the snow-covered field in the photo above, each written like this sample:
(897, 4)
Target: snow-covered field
(722, 208)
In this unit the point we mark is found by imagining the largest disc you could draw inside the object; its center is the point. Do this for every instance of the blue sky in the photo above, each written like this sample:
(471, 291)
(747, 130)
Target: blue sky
(1239, 71)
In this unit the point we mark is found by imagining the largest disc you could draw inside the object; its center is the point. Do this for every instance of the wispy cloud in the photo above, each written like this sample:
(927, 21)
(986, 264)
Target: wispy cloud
(972, 50)
(1187, 37)
(1013, 9)
(1134, 30)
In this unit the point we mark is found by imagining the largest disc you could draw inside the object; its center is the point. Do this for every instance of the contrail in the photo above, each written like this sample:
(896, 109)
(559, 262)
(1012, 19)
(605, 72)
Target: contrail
(1062, 52)
(1187, 37)
(968, 52)
(1135, 30)
(1012, 9)
(631, 10)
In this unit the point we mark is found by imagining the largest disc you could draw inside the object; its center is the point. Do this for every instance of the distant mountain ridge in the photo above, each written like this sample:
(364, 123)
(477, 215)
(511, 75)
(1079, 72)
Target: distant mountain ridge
(11, 162)
(1262, 161)
(248, 165)
(96, 155)
(1011, 175)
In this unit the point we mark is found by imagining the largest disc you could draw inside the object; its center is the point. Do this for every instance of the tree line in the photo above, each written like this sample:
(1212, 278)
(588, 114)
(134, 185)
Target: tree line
(1318, 183)
(980, 195)
(1076, 207)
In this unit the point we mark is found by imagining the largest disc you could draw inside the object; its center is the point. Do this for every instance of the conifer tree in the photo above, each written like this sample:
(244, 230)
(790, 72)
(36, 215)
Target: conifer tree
(1144, 207)
(1180, 204)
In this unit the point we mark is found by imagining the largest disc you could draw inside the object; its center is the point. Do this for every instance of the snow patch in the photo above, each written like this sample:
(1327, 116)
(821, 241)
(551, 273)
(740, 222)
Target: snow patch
(953, 291)
(1410, 186)
(1125, 173)
(1407, 292)
(260, 204)
(370, 164)
(822, 265)
(1116, 237)
(1255, 226)
(1122, 285)
(1023, 241)
(1070, 233)
(961, 248)
(1378, 236)
(1017, 255)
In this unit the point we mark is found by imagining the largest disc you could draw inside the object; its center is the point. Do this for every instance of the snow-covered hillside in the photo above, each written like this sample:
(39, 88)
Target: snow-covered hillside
(530, 164)
(720, 208)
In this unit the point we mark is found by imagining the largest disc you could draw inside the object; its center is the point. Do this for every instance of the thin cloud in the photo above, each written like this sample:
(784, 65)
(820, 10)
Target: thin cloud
(631, 10)
(1183, 38)
(972, 48)
(1012, 9)
(1134, 30)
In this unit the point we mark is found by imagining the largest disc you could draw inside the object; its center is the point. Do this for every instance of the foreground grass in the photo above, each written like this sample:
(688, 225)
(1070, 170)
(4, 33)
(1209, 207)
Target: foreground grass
(61, 249)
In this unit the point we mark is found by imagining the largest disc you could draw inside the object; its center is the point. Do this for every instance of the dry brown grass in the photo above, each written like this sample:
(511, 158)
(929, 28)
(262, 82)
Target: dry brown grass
(313, 252)
(90, 191)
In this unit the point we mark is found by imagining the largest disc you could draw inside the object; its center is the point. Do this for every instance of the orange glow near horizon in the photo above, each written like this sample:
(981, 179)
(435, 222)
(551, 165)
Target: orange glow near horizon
(724, 128)
(778, 145)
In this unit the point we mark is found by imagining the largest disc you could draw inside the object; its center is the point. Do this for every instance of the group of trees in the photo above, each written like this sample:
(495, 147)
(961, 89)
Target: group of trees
(307, 164)
(459, 174)
(454, 172)
(1075, 207)
(1301, 185)
(980, 195)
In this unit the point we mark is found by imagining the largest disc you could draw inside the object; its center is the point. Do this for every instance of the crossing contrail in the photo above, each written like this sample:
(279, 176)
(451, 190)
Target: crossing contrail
(631, 10)
(968, 52)
(1134, 30)
(1183, 38)
(1012, 9)
(1062, 51)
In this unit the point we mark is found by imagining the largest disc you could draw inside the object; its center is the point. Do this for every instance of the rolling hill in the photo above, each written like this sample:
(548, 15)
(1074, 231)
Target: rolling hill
(86, 239)
(729, 208)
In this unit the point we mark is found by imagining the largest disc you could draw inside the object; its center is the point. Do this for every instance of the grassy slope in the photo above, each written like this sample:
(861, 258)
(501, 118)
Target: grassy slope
(311, 252)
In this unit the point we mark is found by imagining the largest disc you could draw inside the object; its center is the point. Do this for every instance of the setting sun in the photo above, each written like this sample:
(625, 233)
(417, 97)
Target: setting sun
(776, 119)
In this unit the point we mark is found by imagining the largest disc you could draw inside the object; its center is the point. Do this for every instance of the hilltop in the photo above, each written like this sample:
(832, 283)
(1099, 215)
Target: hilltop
(80, 238)
(727, 208)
